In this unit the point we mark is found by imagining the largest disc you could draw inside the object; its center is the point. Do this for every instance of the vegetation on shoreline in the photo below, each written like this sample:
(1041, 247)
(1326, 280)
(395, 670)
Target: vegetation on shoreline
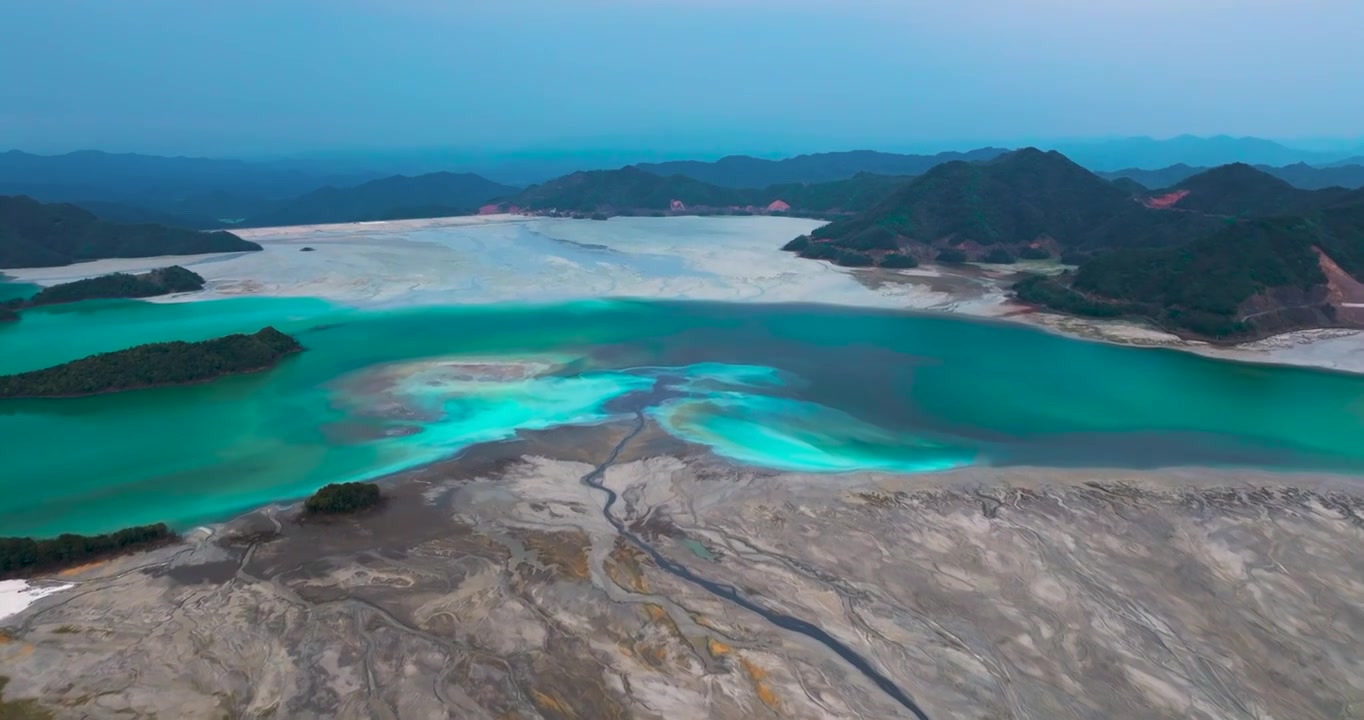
(163, 281)
(26, 556)
(897, 261)
(343, 498)
(154, 365)
(35, 234)
(20, 709)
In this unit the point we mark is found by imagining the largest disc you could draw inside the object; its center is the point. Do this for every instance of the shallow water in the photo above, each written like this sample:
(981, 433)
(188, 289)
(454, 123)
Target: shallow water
(786, 386)
(15, 290)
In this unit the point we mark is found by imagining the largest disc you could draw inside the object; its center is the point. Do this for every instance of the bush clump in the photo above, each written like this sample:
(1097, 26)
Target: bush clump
(873, 238)
(852, 258)
(898, 260)
(342, 498)
(998, 256)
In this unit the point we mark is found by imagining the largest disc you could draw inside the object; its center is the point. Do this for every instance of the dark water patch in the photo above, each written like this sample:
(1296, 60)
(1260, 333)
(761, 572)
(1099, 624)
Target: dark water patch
(215, 573)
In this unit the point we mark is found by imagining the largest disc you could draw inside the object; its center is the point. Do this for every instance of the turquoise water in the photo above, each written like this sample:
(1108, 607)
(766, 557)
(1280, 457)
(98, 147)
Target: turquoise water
(15, 290)
(793, 387)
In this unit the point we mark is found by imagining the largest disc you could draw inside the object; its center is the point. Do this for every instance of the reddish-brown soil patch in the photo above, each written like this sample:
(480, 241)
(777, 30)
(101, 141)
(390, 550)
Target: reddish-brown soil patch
(1166, 201)
(1346, 294)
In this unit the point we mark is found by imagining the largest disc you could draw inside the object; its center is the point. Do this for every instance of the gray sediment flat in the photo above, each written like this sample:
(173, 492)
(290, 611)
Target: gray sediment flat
(493, 586)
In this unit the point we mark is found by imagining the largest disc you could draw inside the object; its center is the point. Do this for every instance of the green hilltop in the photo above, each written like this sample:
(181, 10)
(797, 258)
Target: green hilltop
(35, 234)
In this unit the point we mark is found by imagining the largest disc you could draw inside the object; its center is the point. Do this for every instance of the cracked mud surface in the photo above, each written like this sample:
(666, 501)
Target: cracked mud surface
(492, 586)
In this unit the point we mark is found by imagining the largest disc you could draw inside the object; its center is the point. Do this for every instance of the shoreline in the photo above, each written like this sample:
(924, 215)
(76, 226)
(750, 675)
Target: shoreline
(1295, 348)
(578, 443)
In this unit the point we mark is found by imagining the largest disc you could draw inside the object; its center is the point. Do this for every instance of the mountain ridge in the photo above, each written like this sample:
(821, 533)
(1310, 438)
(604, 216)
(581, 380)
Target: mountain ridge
(743, 171)
(633, 190)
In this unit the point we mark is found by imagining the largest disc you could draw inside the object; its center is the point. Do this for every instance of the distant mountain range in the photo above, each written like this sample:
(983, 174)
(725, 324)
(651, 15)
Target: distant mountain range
(208, 193)
(529, 167)
(1149, 153)
(741, 171)
(1232, 252)
(201, 191)
(632, 191)
(1301, 175)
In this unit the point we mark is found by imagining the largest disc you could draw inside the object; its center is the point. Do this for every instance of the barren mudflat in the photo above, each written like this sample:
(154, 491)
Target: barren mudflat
(492, 586)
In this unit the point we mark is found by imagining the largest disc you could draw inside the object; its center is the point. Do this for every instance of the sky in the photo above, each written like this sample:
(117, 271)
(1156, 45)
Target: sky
(275, 77)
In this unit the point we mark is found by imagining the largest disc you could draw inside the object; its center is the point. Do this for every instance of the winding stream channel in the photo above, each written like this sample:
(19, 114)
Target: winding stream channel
(729, 592)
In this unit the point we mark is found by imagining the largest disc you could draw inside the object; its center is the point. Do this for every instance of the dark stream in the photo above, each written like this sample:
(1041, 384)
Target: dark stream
(732, 594)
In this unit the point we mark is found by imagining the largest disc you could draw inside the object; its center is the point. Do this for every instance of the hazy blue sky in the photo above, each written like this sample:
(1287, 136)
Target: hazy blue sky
(278, 76)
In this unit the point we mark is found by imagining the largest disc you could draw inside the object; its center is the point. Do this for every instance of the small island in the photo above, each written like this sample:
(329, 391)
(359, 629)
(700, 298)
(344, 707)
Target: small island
(25, 556)
(343, 498)
(162, 281)
(154, 365)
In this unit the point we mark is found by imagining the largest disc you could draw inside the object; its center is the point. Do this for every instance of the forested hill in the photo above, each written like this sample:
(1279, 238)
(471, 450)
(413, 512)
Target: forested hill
(741, 171)
(34, 234)
(1253, 278)
(162, 281)
(1239, 190)
(625, 190)
(1026, 201)
(432, 195)
(154, 365)
(631, 190)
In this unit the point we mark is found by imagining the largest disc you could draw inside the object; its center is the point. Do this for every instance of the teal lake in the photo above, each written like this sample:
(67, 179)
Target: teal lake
(793, 387)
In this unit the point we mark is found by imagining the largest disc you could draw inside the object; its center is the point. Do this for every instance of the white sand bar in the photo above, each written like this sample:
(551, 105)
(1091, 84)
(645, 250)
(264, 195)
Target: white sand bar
(15, 595)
